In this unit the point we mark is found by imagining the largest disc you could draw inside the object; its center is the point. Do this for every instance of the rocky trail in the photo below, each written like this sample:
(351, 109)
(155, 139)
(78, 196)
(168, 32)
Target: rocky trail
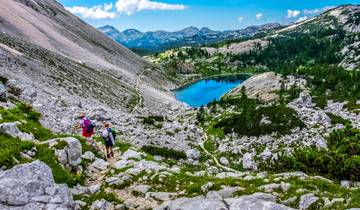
(201, 144)
(138, 92)
(98, 178)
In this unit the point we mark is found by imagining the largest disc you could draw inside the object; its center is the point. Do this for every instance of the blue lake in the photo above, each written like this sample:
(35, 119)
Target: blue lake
(205, 91)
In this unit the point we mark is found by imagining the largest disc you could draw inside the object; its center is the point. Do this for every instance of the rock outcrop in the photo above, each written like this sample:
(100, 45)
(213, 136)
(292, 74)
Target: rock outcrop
(32, 186)
(11, 129)
(262, 86)
(71, 152)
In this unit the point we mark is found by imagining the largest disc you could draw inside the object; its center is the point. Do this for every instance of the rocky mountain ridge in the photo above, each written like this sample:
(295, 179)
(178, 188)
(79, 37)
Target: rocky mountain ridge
(133, 38)
(62, 66)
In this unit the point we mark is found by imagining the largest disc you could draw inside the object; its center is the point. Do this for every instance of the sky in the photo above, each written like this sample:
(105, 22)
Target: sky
(173, 15)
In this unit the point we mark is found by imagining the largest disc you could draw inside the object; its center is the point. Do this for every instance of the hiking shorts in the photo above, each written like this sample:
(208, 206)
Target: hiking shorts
(108, 143)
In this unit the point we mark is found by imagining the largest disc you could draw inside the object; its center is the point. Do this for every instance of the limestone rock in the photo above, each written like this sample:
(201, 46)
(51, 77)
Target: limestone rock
(198, 203)
(141, 189)
(101, 205)
(224, 161)
(129, 154)
(192, 154)
(123, 163)
(262, 86)
(71, 153)
(257, 201)
(32, 186)
(228, 192)
(248, 161)
(98, 165)
(307, 200)
(160, 196)
(11, 129)
(88, 155)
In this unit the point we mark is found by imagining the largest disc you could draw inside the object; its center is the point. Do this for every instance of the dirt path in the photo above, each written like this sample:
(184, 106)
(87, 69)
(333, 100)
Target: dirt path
(201, 144)
(138, 92)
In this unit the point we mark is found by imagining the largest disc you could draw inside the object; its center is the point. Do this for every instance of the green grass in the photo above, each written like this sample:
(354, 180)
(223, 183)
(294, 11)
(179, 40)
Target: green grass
(29, 119)
(164, 152)
(210, 146)
(335, 119)
(320, 102)
(123, 146)
(60, 145)
(110, 197)
(352, 107)
(10, 148)
(154, 120)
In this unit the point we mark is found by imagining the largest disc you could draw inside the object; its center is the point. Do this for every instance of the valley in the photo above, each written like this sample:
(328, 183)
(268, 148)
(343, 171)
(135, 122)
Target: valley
(283, 132)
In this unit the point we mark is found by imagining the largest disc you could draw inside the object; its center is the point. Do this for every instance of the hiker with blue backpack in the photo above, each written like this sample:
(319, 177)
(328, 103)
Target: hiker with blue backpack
(108, 134)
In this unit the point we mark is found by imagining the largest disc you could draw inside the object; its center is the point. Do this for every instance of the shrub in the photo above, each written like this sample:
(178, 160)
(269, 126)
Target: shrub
(154, 120)
(164, 152)
(282, 118)
(337, 119)
(320, 102)
(340, 161)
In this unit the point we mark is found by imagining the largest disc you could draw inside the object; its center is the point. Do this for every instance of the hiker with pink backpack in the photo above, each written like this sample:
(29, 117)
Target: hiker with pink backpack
(86, 125)
(87, 128)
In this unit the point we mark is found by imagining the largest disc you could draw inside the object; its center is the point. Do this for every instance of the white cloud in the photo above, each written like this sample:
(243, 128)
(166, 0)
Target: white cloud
(259, 16)
(131, 6)
(95, 12)
(293, 13)
(240, 19)
(302, 19)
(317, 11)
(311, 11)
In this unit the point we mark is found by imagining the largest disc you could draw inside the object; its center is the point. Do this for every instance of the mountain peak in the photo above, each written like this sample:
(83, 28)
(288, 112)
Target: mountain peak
(189, 30)
(109, 29)
(161, 39)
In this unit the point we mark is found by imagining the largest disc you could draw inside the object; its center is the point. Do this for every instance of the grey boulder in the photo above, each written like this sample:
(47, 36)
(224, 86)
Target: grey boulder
(198, 203)
(32, 186)
(11, 129)
(101, 205)
(307, 200)
(257, 201)
(71, 153)
(248, 161)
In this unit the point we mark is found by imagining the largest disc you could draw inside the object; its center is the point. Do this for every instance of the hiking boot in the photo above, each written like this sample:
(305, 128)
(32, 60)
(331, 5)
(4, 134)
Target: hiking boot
(108, 155)
(112, 154)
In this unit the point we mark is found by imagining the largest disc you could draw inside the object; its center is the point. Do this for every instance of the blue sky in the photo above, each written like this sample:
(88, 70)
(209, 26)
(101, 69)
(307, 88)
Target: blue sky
(172, 15)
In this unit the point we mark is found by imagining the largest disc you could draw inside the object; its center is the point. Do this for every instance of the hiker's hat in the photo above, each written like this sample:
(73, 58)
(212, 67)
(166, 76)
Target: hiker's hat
(81, 115)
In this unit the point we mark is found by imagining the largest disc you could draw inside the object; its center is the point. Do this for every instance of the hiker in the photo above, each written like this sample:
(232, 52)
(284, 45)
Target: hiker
(86, 125)
(108, 134)
(87, 129)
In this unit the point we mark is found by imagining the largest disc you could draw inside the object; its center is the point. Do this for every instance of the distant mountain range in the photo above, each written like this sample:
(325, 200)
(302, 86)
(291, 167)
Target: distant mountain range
(161, 40)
